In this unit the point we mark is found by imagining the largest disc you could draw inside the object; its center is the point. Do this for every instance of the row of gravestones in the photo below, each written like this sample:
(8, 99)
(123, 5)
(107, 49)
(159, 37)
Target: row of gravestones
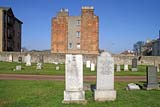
(104, 91)
(27, 61)
(134, 66)
(90, 65)
(74, 92)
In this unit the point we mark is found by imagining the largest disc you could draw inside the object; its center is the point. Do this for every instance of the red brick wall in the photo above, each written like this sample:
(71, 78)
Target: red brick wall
(89, 31)
(59, 35)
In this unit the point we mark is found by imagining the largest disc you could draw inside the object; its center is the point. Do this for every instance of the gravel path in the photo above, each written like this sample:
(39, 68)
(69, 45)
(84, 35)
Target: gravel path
(61, 78)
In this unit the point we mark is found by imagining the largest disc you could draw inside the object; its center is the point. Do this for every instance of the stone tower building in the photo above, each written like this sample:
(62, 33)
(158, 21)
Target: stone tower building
(75, 34)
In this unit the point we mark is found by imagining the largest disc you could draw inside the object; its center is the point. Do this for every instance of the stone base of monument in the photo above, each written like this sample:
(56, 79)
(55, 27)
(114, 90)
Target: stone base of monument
(134, 69)
(151, 86)
(104, 95)
(74, 97)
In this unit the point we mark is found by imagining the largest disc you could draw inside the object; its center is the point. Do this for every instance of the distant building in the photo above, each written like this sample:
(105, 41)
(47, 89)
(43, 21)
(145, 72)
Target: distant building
(10, 31)
(75, 34)
(156, 48)
(127, 52)
(137, 48)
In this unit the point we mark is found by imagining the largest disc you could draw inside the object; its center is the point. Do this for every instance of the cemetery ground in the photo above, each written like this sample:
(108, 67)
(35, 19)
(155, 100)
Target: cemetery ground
(22, 93)
(50, 69)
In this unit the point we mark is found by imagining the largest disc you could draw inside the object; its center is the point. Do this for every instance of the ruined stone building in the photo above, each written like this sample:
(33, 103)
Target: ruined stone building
(75, 34)
(10, 31)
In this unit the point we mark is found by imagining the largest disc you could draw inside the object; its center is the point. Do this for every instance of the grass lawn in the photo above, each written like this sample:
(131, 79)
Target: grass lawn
(17, 93)
(50, 69)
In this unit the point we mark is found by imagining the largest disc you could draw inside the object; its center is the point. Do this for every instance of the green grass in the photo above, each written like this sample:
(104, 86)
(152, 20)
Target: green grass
(17, 93)
(50, 69)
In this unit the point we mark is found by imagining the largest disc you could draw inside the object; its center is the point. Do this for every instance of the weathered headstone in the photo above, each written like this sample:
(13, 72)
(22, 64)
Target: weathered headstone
(118, 68)
(152, 78)
(28, 60)
(92, 67)
(125, 67)
(132, 86)
(74, 92)
(57, 68)
(40, 58)
(20, 59)
(39, 66)
(10, 58)
(88, 64)
(134, 64)
(18, 68)
(105, 78)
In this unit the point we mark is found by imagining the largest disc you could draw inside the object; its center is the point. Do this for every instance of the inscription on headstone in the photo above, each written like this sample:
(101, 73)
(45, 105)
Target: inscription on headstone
(105, 78)
(152, 78)
(74, 79)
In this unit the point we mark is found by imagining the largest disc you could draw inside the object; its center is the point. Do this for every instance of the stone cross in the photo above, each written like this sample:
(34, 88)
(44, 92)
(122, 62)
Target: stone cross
(28, 60)
(74, 79)
(105, 78)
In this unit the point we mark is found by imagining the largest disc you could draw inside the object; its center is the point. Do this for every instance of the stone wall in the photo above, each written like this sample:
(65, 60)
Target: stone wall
(50, 58)
(47, 57)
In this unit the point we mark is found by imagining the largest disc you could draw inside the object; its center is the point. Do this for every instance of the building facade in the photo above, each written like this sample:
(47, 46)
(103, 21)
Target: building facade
(10, 31)
(75, 34)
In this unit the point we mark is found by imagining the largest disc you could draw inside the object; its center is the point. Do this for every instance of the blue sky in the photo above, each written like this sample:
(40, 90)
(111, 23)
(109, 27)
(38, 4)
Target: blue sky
(121, 22)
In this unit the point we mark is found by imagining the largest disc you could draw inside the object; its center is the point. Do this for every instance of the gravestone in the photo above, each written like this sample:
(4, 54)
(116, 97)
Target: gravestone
(92, 67)
(10, 58)
(28, 60)
(152, 78)
(18, 68)
(39, 66)
(19, 59)
(57, 68)
(40, 59)
(88, 64)
(125, 67)
(105, 78)
(74, 92)
(118, 68)
(134, 64)
(132, 86)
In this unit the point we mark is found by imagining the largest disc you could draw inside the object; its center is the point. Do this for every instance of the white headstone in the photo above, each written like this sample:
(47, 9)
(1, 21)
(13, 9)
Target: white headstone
(10, 58)
(57, 68)
(74, 79)
(125, 67)
(18, 68)
(39, 66)
(105, 78)
(92, 67)
(118, 68)
(132, 86)
(28, 60)
(88, 64)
